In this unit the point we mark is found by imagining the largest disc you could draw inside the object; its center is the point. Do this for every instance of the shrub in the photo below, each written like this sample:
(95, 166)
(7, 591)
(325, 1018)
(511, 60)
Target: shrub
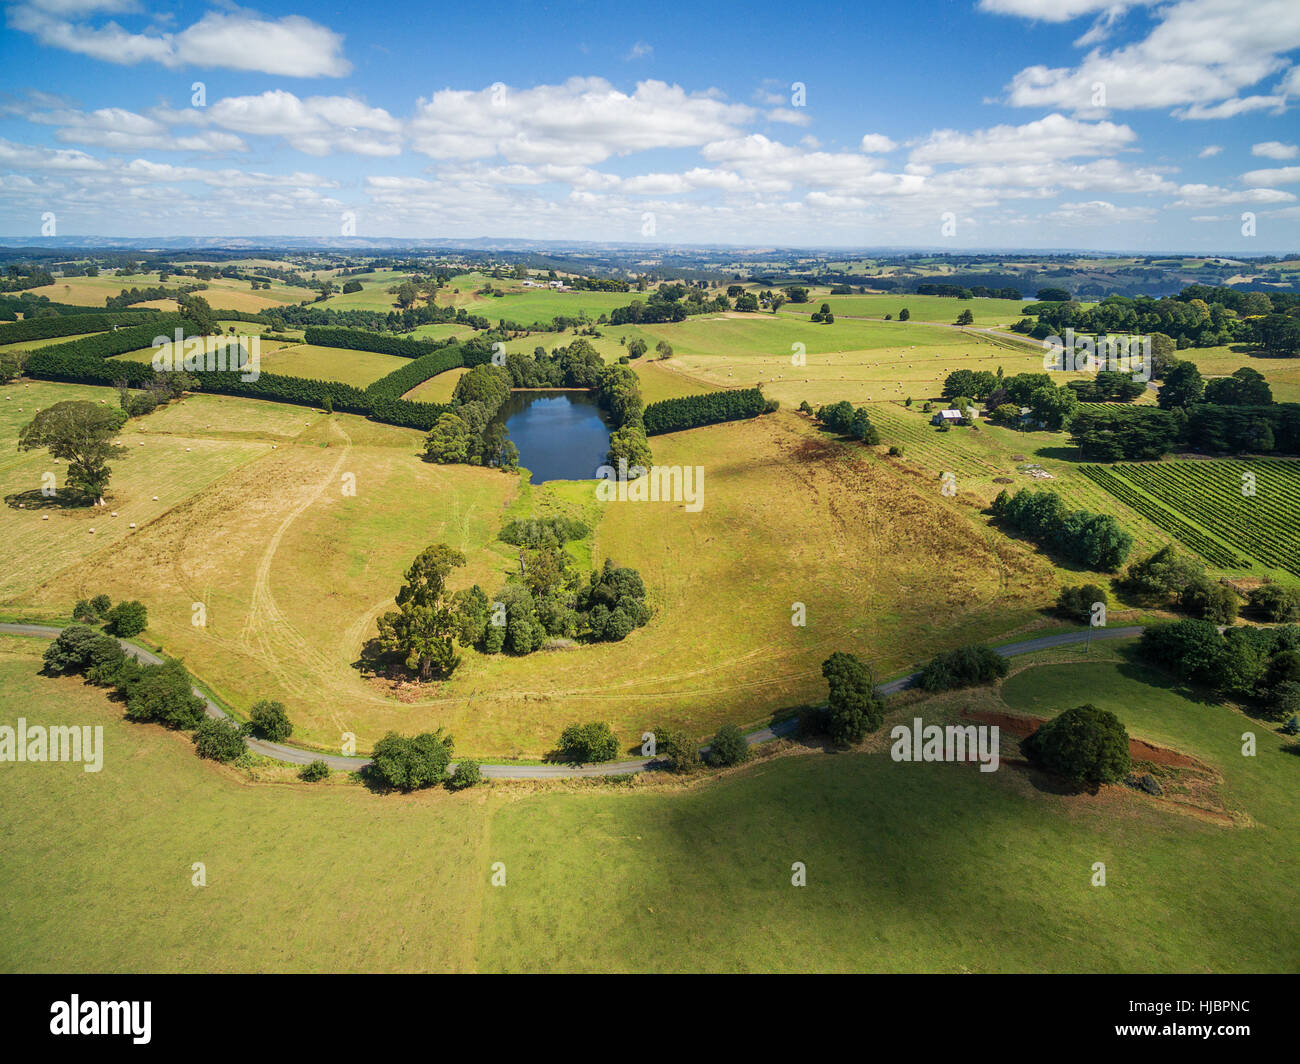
(896, 450)
(270, 721)
(163, 694)
(1292, 727)
(728, 747)
(70, 649)
(408, 763)
(1210, 600)
(677, 748)
(314, 772)
(1084, 744)
(127, 619)
(219, 739)
(101, 604)
(1273, 602)
(1076, 602)
(963, 667)
(589, 743)
(1191, 649)
(467, 774)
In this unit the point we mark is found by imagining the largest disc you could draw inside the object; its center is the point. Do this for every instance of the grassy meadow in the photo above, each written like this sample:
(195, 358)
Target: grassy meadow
(910, 867)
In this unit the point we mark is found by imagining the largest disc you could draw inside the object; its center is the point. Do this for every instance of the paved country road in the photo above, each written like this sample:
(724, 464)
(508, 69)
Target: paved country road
(298, 756)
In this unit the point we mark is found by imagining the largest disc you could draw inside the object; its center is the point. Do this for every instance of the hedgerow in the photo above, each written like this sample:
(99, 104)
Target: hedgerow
(688, 412)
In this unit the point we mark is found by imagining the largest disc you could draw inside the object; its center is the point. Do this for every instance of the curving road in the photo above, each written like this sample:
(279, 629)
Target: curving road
(297, 756)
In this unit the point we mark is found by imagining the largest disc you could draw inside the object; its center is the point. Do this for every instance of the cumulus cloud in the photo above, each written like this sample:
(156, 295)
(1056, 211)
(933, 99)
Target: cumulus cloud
(317, 125)
(584, 120)
(1285, 175)
(1053, 137)
(291, 46)
(1201, 52)
(876, 144)
(1274, 149)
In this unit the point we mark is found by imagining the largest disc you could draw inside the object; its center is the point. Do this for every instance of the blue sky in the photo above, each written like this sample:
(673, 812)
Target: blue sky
(971, 123)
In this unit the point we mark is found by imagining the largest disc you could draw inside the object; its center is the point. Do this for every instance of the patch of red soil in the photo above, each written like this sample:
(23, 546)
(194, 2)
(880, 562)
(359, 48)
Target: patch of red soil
(1138, 749)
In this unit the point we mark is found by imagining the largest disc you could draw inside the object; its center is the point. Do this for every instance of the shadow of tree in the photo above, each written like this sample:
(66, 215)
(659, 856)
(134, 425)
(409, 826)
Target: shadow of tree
(62, 499)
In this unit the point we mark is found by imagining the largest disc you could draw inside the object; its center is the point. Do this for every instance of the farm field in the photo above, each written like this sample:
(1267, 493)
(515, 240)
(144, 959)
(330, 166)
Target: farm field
(222, 293)
(655, 876)
(173, 468)
(1282, 374)
(1192, 498)
(296, 359)
(437, 389)
(856, 360)
(986, 312)
(899, 856)
(358, 368)
(302, 571)
(978, 459)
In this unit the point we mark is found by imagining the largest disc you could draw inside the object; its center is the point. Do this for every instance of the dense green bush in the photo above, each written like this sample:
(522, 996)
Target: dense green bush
(1084, 744)
(314, 772)
(589, 743)
(219, 739)
(128, 618)
(963, 667)
(1076, 602)
(270, 721)
(677, 748)
(853, 709)
(466, 774)
(163, 694)
(1093, 540)
(728, 747)
(408, 763)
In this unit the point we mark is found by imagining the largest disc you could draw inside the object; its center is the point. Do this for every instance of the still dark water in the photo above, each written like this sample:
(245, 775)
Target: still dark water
(560, 435)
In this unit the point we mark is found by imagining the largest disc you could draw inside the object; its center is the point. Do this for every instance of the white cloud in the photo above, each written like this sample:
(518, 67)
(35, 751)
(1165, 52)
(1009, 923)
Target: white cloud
(1274, 149)
(1209, 151)
(1285, 175)
(1232, 108)
(583, 121)
(291, 46)
(1053, 10)
(1100, 212)
(790, 115)
(1053, 137)
(1214, 196)
(317, 125)
(1201, 52)
(640, 50)
(876, 144)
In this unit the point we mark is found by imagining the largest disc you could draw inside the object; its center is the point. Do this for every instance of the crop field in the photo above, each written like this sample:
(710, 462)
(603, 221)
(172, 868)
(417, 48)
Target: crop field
(981, 459)
(222, 293)
(655, 876)
(293, 573)
(862, 361)
(1212, 508)
(437, 389)
(358, 368)
(1283, 374)
(157, 474)
(986, 312)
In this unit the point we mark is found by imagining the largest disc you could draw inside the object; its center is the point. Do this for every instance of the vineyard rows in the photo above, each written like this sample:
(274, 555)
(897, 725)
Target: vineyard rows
(1215, 496)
